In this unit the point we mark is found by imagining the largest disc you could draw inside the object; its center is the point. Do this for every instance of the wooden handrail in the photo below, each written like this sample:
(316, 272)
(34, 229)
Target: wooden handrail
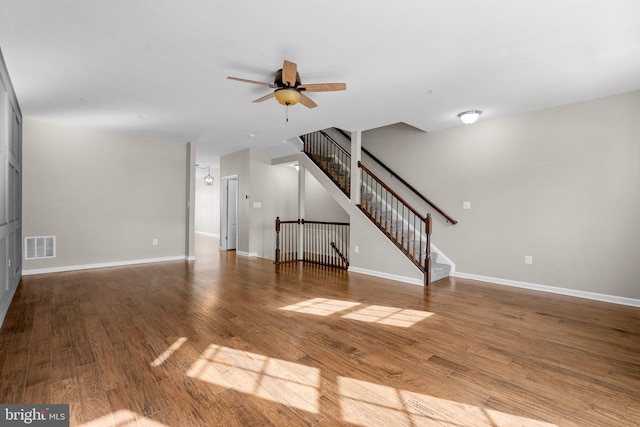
(304, 221)
(335, 143)
(410, 187)
(342, 257)
(393, 193)
(403, 181)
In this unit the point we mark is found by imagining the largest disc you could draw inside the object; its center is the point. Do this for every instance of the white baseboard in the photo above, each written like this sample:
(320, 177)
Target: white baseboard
(382, 275)
(204, 233)
(190, 258)
(100, 265)
(552, 289)
(247, 254)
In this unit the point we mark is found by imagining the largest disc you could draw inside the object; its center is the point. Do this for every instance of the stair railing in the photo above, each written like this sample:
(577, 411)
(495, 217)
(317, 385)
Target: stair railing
(404, 182)
(408, 229)
(315, 242)
(334, 160)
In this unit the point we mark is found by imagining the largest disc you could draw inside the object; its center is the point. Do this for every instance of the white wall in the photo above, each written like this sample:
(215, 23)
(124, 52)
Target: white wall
(207, 218)
(105, 196)
(319, 205)
(560, 185)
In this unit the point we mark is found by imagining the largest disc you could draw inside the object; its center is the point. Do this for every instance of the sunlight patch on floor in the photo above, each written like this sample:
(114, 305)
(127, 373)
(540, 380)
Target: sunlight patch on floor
(388, 315)
(373, 313)
(364, 403)
(287, 383)
(123, 418)
(321, 306)
(168, 352)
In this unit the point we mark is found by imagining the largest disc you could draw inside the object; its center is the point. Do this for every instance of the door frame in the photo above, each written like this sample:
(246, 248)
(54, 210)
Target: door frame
(225, 209)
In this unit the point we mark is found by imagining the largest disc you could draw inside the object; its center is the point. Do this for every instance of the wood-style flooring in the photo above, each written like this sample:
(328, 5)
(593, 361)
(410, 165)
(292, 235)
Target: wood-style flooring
(230, 341)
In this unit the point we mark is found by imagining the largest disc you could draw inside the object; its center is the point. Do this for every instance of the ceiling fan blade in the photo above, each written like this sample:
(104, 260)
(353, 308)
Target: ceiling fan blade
(289, 73)
(323, 87)
(264, 98)
(252, 81)
(307, 102)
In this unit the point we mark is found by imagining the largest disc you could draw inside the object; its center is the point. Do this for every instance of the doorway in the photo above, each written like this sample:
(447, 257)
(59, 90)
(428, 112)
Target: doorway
(229, 213)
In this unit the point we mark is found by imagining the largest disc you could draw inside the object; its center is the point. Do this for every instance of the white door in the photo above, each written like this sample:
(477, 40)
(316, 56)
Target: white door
(232, 213)
(229, 213)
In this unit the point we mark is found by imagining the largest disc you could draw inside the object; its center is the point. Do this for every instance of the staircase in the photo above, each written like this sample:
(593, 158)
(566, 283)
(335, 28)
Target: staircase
(402, 224)
(332, 158)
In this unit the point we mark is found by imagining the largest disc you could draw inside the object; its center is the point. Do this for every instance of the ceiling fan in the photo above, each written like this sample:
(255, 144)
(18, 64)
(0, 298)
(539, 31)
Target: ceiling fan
(288, 88)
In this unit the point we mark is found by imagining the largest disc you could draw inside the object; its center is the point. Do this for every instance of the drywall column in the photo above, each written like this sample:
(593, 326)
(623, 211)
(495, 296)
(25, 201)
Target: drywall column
(189, 247)
(356, 154)
(301, 207)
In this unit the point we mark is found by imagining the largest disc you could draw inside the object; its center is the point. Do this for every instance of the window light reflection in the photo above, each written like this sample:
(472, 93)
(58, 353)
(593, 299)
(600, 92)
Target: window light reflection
(388, 315)
(123, 418)
(373, 313)
(321, 306)
(168, 352)
(361, 402)
(287, 383)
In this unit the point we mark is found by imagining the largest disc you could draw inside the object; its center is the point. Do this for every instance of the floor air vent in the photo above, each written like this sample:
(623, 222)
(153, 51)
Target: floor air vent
(40, 247)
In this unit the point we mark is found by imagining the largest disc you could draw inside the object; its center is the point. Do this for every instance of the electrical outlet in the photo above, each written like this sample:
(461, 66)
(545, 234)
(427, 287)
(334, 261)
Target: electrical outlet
(528, 259)
(356, 249)
(466, 205)
(155, 242)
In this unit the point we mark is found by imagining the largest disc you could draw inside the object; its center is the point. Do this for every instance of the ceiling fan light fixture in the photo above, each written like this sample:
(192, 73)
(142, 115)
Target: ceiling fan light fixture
(287, 96)
(469, 117)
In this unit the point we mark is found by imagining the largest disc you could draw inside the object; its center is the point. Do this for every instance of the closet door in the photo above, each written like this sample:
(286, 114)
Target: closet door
(10, 191)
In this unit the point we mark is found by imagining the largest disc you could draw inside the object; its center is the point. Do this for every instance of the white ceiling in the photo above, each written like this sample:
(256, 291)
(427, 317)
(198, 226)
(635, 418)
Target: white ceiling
(158, 67)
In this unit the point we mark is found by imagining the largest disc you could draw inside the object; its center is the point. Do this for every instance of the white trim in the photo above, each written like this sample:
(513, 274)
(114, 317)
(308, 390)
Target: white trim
(247, 254)
(410, 280)
(100, 265)
(190, 258)
(204, 233)
(552, 289)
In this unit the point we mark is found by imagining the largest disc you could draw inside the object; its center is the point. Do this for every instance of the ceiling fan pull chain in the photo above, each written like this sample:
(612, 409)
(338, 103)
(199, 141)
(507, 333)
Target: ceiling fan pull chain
(286, 114)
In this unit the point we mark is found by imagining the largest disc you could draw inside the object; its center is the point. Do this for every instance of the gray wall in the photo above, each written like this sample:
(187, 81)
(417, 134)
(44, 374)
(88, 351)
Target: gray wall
(105, 196)
(560, 185)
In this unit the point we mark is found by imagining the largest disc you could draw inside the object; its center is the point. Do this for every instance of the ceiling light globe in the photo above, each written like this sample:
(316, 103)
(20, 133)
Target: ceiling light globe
(287, 96)
(469, 117)
(208, 180)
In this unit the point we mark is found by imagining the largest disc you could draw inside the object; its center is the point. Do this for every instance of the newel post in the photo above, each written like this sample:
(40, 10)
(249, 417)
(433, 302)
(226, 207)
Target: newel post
(277, 258)
(427, 257)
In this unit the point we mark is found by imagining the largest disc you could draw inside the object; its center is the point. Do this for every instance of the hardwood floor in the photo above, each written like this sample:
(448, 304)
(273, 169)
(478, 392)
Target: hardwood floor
(229, 341)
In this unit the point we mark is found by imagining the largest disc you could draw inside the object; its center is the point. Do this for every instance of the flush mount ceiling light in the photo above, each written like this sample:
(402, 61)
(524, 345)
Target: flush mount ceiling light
(469, 117)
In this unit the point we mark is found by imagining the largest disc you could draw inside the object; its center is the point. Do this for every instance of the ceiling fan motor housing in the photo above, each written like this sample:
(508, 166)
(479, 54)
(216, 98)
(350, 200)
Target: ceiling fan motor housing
(278, 80)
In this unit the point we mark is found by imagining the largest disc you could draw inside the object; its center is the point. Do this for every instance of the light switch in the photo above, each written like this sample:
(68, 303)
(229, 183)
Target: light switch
(257, 205)
(466, 205)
